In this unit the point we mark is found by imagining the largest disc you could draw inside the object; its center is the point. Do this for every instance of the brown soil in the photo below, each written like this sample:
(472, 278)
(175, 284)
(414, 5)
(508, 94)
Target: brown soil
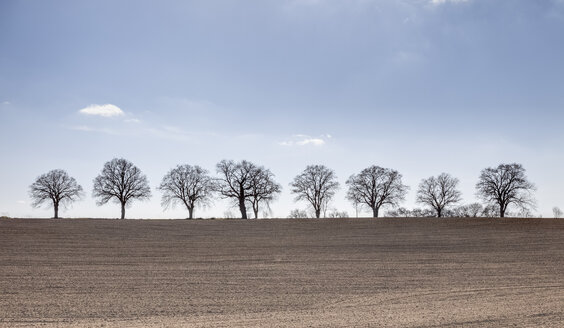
(280, 273)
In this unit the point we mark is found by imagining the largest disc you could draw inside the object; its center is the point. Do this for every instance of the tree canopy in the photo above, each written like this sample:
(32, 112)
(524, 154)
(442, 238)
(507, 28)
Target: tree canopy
(505, 185)
(57, 187)
(122, 182)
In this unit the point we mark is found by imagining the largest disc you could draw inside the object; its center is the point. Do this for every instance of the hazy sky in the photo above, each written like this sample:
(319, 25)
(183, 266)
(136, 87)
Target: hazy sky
(420, 86)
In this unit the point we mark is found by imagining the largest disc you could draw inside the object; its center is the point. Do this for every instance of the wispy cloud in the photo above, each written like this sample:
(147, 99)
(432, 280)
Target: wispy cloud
(6, 103)
(304, 140)
(132, 120)
(107, 110)
(86, 128)
(125, 129)
(171, 132)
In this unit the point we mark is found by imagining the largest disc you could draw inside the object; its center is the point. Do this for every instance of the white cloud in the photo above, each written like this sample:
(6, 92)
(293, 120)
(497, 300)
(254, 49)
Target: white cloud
(304, 140)
(107, 110)
(21, 202)
(132, 120)
(311, 141)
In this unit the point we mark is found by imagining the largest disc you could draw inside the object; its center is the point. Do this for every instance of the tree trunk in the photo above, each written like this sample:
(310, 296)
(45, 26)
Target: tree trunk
(242, 208)
(375, 212)
(190, 212)
(256, 210)
(317, 212)
(501, 211)
(56, 208)
(439, 212)
(122, 210)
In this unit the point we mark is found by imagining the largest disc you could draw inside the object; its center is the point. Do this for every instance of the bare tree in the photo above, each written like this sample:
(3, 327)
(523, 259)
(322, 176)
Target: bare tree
(505, 185)
(263, 189)
(376, 187)
(475, 209)
(57, 187)
(439, 192)
(245, 182)
(460, 211)
(188, 185)
(235, 182)
(465, 211)
(298, 214)
(335, 213)
(421, 213)
(557, 212)
(316, 184)
(414, 213)
(489, 211)
(121, 181)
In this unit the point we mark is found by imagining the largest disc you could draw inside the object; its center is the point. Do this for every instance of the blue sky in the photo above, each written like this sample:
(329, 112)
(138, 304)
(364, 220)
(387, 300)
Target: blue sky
(420, 86)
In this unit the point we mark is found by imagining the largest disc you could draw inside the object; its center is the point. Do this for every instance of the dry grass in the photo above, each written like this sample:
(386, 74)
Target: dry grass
(270, 273)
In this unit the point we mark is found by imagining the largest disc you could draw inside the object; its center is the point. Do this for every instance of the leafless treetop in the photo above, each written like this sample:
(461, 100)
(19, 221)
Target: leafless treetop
(376, 187)
(317, 184)
(188, 185)
(57, 187)
(263, 188)
(506, 185)
(121, 181)
(236, 182)
(439, 192)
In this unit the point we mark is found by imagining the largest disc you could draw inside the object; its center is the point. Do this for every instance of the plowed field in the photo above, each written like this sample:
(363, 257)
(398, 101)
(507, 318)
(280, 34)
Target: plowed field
(280, 273)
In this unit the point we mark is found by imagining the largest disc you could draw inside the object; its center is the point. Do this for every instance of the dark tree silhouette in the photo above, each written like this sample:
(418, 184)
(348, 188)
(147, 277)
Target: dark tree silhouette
(188, 185)
(439, 192)
(57, 187)
(121, 181)
(241, 182)
(376, 187)
(263, 189)
(317, 184)
(505, 185)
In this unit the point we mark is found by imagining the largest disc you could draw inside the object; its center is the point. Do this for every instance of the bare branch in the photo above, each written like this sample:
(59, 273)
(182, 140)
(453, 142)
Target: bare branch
(121, 181)
(316, 184)
(57, 187)
(188, 185)
(376, 187)
(263, 189)
(439, 192)
(245, 182)
(506, 185)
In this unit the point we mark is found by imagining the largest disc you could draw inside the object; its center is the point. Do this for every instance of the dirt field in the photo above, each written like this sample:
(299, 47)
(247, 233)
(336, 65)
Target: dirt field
(280, 273)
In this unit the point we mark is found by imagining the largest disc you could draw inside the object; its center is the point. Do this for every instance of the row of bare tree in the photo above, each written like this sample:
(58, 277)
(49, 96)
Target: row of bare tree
(251, 185)
(472, 210)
